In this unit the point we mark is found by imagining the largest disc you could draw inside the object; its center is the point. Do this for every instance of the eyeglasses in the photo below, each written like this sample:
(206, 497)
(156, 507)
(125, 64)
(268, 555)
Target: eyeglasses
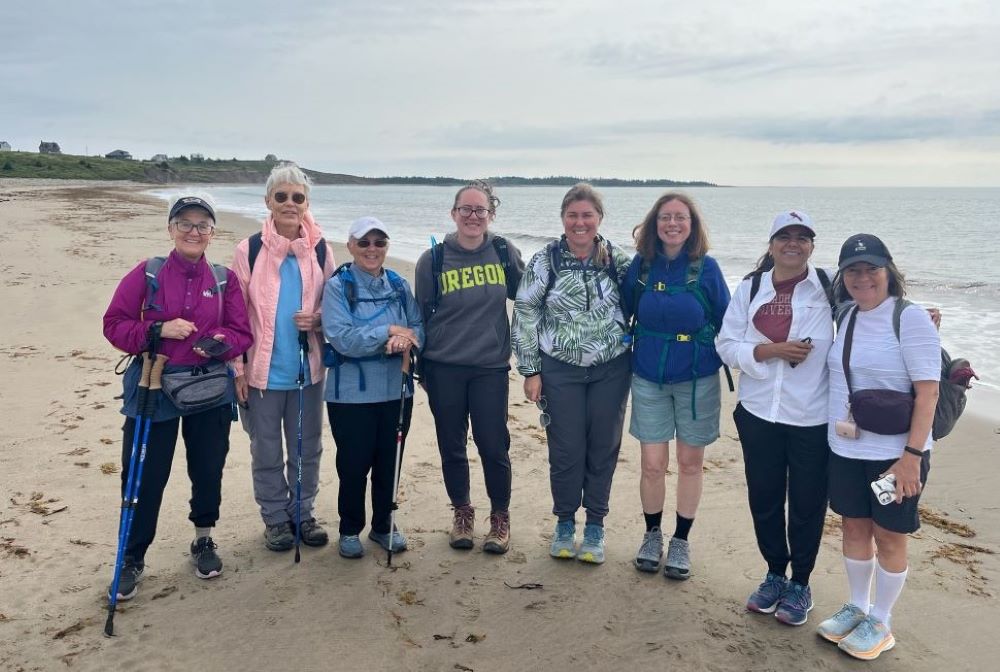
(204, 228)
(365, 243)
(466, 210)
(667, 216)
(544, 419)
(298, 198)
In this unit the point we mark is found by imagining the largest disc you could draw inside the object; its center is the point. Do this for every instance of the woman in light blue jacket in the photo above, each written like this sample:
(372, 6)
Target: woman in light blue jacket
(371, 321)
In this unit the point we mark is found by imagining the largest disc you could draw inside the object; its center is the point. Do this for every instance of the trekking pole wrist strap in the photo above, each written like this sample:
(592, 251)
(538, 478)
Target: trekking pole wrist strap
(913, 451)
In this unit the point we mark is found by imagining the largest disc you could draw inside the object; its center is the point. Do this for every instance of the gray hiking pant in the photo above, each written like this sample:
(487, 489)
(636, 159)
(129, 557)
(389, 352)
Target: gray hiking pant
(270, 415)
(587, 408)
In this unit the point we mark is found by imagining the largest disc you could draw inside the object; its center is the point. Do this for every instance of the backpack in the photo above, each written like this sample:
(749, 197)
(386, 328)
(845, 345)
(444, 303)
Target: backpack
(824, 280)
(704, 336)
(334, 359)
(951, 396)
(153, 267)
(437, 267)
(257, 242)
(557, 263)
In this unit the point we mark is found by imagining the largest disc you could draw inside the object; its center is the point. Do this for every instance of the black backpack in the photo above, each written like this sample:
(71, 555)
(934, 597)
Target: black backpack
(257, 242)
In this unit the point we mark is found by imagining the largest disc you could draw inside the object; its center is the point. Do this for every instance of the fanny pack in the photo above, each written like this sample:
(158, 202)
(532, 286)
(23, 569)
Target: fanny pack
(875, 410)
(197, 388)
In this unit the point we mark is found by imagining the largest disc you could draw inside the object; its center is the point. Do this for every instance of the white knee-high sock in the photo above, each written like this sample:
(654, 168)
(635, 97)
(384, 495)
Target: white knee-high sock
(859, 579)
(200, 532)
(888, 586)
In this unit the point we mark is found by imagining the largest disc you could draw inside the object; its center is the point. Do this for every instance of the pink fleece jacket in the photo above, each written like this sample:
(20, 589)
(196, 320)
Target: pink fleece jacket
(261, 294)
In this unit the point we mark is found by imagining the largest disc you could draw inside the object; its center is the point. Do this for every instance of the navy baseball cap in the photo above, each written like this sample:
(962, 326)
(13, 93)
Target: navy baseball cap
(863, 247)
(198, 201)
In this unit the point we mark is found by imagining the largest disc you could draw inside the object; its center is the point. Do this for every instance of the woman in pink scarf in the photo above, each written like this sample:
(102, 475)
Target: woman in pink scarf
(282, 271)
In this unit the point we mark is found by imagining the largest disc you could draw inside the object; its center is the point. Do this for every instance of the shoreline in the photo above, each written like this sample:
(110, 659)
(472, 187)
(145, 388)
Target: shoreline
(438, 609)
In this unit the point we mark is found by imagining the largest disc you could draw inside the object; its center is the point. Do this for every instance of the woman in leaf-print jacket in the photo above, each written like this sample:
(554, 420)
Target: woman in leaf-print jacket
(569, 338)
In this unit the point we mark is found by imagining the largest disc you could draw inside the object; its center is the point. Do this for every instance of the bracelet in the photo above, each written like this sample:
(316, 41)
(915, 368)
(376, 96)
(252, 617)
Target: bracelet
(914, 451)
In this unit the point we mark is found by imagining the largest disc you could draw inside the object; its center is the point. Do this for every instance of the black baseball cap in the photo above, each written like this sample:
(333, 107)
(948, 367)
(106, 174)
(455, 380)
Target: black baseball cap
(866, 248)
(191, 201)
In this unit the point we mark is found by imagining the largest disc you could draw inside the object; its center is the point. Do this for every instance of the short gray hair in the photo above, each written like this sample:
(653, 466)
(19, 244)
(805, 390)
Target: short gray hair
(287, 173)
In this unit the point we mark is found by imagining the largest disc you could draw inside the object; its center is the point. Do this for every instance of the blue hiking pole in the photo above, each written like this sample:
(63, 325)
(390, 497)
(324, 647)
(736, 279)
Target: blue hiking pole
(303, 347)
(149, 385)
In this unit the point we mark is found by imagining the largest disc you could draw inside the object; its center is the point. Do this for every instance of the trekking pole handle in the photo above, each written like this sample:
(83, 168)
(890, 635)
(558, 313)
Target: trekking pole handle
(147, 366)
(157, 372)
(406, 360)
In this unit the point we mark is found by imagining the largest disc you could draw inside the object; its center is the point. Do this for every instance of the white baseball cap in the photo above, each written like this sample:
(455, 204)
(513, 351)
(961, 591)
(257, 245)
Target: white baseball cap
(791, 218)
(360, 227)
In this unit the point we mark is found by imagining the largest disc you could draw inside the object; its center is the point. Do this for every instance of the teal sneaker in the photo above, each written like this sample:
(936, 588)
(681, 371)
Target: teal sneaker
(795, 604)
(868, 640)
(765, 599)
(564, 541)
(382, 539)
(592, 548)
(840, 624)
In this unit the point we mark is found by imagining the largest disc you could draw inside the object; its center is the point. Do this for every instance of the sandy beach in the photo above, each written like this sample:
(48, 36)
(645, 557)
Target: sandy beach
(64, 247)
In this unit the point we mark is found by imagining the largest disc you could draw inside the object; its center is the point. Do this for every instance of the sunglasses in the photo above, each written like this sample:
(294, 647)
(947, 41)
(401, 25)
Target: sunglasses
(298, 198)
(544, 419)
(378, 242)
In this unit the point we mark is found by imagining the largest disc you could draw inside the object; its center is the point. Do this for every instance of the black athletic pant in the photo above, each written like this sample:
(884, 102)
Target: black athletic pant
(206, 444)
(365, 435)
(457, 393)
(784, 459)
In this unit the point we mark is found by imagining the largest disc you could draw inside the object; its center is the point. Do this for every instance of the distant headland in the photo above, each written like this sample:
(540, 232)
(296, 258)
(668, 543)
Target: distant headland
(51, 164)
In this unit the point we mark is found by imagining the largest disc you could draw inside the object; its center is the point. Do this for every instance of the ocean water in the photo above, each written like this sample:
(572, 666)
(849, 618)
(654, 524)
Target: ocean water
(945, 241)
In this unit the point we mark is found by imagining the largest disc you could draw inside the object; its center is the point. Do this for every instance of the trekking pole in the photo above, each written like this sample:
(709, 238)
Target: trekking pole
(149, 385)
(303, 347)
(399, 451)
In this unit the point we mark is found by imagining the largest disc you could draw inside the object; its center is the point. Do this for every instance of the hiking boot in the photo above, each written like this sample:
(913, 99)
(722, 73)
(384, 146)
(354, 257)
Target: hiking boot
(204, 558)
(564, 541)
(678, 564)
(498, 539)
(795, 604)
(592, 548)
(350, 546)
(868, 640)
(461, 527)
(650, 551)
(841, 624)
(382, 539)
(128, 580)
(312, 534)
(765, 599)
(279, 537)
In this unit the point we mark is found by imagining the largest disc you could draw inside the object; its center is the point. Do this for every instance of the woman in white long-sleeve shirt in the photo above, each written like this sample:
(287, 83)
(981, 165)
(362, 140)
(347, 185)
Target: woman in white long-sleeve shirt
(777, 331)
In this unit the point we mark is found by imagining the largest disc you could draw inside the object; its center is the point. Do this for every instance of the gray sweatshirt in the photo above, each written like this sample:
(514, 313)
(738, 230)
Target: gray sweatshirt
(470, 326)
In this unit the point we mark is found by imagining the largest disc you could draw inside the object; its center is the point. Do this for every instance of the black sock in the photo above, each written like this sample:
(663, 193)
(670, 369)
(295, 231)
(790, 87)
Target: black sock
(683, 527)
(653, 519)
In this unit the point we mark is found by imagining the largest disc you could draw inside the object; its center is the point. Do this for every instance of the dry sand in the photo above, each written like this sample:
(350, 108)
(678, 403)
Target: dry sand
(64, 247)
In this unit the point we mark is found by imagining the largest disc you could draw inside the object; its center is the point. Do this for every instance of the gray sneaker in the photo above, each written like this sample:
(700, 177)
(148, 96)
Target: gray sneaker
(650, 552)
(279, 537)
(678, 564)
(128, 581)
(312, 534)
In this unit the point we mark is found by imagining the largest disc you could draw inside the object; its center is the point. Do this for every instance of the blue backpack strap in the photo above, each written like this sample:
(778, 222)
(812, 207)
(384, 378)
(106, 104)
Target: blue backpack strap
(350, 289)
(399, 287)
(153, 266)
(437, 268)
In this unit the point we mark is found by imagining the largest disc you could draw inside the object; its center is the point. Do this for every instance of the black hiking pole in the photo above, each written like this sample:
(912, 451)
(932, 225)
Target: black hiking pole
(149, 385)
(399, 452)
(303, 348)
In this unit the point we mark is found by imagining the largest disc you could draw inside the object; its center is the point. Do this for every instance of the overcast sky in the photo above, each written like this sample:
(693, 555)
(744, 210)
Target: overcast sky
(790, 92)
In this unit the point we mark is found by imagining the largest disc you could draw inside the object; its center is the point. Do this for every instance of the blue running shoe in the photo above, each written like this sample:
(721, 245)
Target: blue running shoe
(765, 599)
(868, 640)
(350, 546)
(592, 548)
(795, 604)
(564, 541)
(382, 539)
(841, 624)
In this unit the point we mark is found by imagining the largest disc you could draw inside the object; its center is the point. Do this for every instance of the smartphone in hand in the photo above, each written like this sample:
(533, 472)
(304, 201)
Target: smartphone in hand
(212, 347)
(807, 339)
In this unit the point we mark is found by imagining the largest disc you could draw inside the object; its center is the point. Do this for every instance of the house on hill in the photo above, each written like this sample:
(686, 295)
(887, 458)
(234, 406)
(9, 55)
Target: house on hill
(49, 148)
(118, 154)
(271, 158)
(159, 158)
(4, 146)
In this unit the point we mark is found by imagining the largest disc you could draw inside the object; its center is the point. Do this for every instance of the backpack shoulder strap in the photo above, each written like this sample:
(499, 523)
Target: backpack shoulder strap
(500, 245)
(256, 242)
(555, 262)
(897, 314)
(152, 270)
(842, 311)
(693, 284)
(824, 280)
(754, 285)
(612, 266)
(398, 286)
(221, 274)
(350, 290)
(321, 253)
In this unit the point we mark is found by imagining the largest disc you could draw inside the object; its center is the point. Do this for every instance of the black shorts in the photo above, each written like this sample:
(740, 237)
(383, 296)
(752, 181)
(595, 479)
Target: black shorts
(851, 493)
